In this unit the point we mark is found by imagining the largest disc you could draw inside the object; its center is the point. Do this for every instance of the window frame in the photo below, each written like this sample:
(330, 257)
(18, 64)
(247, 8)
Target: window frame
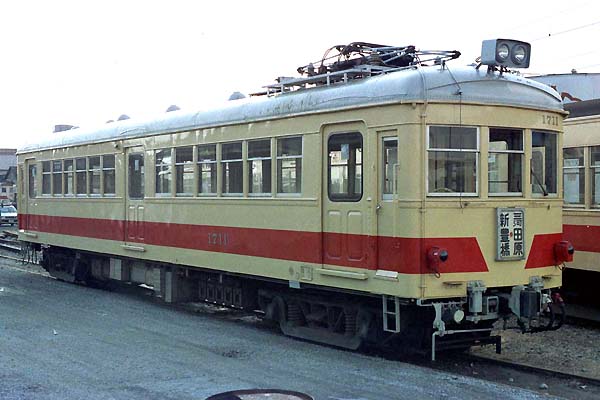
(93, 172)
(476, 151)
(69, 176)
(183, 165)
(32, 185)
(508, 152)
(386, 196)
(47, 174)
(558, 168)
(106, 169)
(345, 197)
(169, 172)
(278, 179)
(81, 172)
(57, 177)
(214, 173)
(593, 170)
(239, 161)
(250, 175)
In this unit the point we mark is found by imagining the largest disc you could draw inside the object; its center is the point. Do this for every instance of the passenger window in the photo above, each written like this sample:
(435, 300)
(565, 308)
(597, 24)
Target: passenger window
(505, 161)
(595, 169)
(108, 174)
(452, 160)
(345, 167)
(231, 164)
(46, 177)
(390, 160)
(136, 176)
(56, 178)
(163, 171)
(207, 169)
(259, 166)
(69, 179)
(573, 176)
(32, 181)
(81, 175)
(544, 163)
(184, 171)
(289, 165)
(94, 174)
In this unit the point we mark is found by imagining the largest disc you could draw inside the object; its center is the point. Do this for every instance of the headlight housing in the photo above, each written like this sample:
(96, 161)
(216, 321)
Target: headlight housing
(506, 53)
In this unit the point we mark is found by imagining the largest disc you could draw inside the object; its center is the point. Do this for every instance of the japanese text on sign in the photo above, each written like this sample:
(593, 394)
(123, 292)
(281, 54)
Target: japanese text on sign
(510, 224)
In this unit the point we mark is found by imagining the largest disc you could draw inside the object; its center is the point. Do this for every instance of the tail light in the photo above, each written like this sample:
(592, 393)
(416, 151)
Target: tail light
(563, 252)
(435, 256)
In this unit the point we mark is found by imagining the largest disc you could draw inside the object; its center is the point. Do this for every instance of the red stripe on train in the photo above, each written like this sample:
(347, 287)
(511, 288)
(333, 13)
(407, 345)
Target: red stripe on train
(404, 255)
(583, 237)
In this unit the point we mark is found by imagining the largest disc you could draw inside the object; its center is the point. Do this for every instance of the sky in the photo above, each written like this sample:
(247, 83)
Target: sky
(86, 62)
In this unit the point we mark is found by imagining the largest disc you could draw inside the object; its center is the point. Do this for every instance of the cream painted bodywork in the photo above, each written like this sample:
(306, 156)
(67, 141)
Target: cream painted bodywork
(583, 132)
(409, 214)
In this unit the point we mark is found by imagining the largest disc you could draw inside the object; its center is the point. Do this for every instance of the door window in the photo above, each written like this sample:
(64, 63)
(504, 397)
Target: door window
(136, 176)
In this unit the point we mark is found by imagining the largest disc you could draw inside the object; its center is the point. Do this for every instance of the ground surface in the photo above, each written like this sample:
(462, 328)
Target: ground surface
(62, 341)
(574, 348)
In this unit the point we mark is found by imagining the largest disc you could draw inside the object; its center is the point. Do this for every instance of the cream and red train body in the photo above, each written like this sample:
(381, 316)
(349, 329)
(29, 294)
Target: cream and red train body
(582, 202)
(402, 257)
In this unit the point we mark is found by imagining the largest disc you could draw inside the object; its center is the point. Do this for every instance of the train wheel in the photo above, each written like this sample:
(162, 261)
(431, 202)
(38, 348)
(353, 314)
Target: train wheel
(323, 322)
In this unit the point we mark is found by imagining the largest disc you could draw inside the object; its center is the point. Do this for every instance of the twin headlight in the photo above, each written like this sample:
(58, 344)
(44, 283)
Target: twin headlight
(505, 53)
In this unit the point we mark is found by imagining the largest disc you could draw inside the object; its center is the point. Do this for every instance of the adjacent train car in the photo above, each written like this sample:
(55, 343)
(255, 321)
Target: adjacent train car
(581, 171)
(383, 197)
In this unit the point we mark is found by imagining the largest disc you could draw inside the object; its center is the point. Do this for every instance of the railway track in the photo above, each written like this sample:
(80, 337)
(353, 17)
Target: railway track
(461, 364)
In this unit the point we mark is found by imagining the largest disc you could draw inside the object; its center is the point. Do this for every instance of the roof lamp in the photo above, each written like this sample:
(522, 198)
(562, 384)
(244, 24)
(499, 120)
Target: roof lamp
(505, 53)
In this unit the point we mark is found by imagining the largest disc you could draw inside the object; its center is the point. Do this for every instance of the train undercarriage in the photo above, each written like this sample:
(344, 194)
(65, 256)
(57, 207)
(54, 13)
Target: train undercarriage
(342, 319)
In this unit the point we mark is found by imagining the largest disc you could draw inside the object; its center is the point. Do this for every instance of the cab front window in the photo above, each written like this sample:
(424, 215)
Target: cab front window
(452, 160)
(544, 159)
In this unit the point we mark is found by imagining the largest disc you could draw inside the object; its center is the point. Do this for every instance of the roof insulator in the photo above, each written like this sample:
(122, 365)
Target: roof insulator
(173, 107)
(123, 117)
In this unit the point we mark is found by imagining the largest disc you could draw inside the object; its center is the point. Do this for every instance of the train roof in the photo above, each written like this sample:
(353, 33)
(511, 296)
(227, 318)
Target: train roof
(406, 85)
(585, 108)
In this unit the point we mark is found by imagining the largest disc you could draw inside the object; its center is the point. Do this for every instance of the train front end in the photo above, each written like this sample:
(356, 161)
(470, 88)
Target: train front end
(491, 218)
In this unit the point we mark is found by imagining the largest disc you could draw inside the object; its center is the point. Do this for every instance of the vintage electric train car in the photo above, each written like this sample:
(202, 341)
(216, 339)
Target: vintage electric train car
(581, 171)
(383, 197)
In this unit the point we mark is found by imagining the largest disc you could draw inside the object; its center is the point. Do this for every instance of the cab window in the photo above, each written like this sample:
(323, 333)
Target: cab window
(544, 163)
(505, 162)
(452, 154)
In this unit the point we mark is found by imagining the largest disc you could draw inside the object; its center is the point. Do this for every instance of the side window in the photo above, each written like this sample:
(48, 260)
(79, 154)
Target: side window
(46, 177)
(184, 170)
(135, 171)
(259, 166)
(289, 165)
(231, 164)
(544, 154)
(573, 176)
(31, 180)
(69, 179)
(207, 169)
(57, 178)
(595, 170)
(95, 170)
(452, 154)
(81, 175)
(345, 167)
(505, 161)
(163, 171)
(390, 160)
(108, 174)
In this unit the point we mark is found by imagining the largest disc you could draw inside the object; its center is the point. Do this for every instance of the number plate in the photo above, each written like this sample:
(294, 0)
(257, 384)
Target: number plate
(510, 234)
